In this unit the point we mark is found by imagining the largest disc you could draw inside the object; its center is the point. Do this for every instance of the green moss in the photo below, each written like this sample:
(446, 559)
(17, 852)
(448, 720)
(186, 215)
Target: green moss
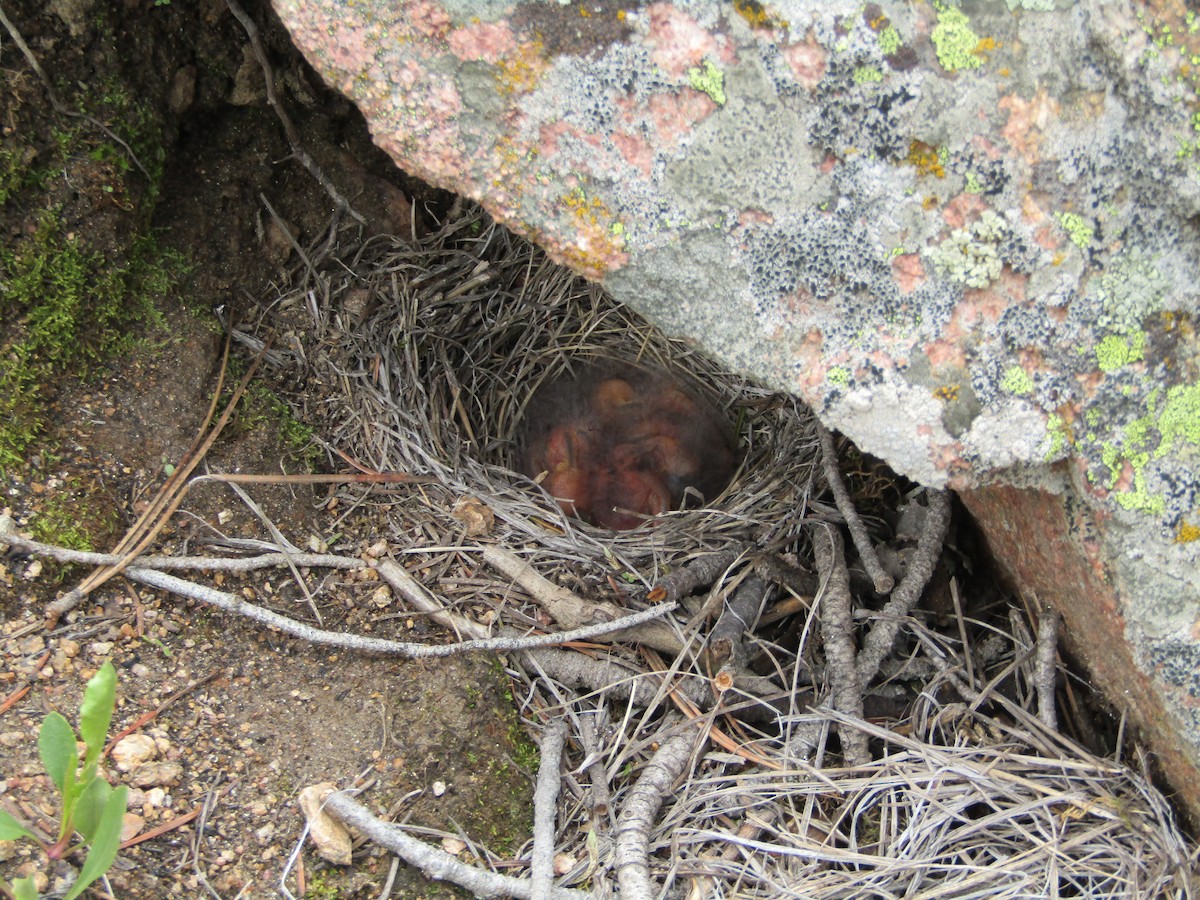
(1115, 351)
(1077, 229)
(66, 309)
(889, 40)
(867, 75)
(1179, 419)
(955, 42)
(1016, 381)
(709, 79)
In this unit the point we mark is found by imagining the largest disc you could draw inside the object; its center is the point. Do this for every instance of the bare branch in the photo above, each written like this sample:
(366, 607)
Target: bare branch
(433, 862)
(837, 628)
(234, 604)
(700, 572)
(572, 611)
(858, 532)
(545, 800)
(1047, 670)
(878, 643)
(637, 816)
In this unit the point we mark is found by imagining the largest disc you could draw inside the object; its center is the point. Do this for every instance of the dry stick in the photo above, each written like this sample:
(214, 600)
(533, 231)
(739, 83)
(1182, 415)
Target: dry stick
(878, 642)
(837, 630)
(739, 616)
(637, 817)
(597, 774)
(617, 680)
(289, 129)
(1047, 671)
(420, 599)
(198, 563)
(698, 573)
(234, 604)
(858, 532)
(545, 802)
(572, 611)
(59, 106)
(433, 862)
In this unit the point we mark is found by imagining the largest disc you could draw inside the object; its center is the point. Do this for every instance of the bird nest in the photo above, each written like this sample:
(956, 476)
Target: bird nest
(783, 731)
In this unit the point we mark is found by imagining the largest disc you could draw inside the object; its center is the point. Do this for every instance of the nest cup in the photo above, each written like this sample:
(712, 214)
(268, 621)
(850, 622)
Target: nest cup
(437, 348)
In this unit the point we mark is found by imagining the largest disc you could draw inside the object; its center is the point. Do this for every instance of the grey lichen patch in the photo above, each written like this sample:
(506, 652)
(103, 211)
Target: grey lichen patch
(1130, 289)
(971, 256)
(750, 155)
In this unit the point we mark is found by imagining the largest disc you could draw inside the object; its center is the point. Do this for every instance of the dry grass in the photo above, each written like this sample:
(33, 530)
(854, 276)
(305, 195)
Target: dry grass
(427, 355)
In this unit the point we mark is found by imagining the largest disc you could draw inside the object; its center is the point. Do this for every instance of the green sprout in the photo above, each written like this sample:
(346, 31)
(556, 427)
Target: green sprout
(91, 807)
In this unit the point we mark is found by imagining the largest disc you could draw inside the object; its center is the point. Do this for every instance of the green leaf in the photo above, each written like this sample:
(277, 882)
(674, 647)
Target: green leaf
(56, 744)
(24, 889)
(92, 801)
(11, 829)
(104, 848)
(96, 711)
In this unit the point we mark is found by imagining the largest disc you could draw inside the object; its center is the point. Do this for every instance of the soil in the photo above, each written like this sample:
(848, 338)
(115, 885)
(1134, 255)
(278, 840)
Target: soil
(248, 717)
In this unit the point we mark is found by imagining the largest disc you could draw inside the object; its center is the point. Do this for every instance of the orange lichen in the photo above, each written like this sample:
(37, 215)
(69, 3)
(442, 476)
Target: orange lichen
(947, 393)
(1187, 533)
(519, 72)
(758, 15)
(925, 159)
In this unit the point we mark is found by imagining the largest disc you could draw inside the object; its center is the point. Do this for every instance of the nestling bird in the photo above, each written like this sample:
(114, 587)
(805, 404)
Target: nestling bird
(618, 447)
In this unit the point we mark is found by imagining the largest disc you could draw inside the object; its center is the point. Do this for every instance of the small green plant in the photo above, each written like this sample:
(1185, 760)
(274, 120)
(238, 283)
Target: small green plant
(91, 807)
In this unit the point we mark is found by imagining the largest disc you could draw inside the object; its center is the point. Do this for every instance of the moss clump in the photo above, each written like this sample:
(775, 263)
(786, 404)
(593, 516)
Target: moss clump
(65, 309)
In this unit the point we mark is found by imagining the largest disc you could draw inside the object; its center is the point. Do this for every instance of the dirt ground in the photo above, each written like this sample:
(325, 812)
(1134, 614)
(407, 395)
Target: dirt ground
(248, 717)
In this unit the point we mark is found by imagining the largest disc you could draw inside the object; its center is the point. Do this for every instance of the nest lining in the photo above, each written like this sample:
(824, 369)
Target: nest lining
(437, 350)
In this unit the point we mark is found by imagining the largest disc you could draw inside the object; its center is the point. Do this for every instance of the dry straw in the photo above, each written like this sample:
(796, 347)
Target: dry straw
(427, 354)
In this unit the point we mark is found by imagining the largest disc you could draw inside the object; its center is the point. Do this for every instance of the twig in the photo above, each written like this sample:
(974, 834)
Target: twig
(700, 572)
(572, 611)
(420, 599)
(739, 616)
(197, 563)
(289, 129)
(878, 642)
(597, 774)
(617, 680)
(158, 830)
(545, 801)
(234, 604)
(1047, 670)
(637, 816)
(858, 532)
(837, 628)
(435, 863)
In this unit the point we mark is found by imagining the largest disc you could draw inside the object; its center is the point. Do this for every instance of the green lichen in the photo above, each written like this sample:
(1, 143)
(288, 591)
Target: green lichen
(1016, 381)
(1115, 351)
(1130, 289)
(955, 42)
(709, 79)
(1139, 499)
(971, 256)
(889, 40)
(838, 375)
(1059, 434)
(1076, 228)
(974, 185)
(1180, 418)
(867, 75)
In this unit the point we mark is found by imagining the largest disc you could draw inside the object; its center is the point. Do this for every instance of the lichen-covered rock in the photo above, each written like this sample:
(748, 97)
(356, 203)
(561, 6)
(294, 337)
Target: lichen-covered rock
(967, 236)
